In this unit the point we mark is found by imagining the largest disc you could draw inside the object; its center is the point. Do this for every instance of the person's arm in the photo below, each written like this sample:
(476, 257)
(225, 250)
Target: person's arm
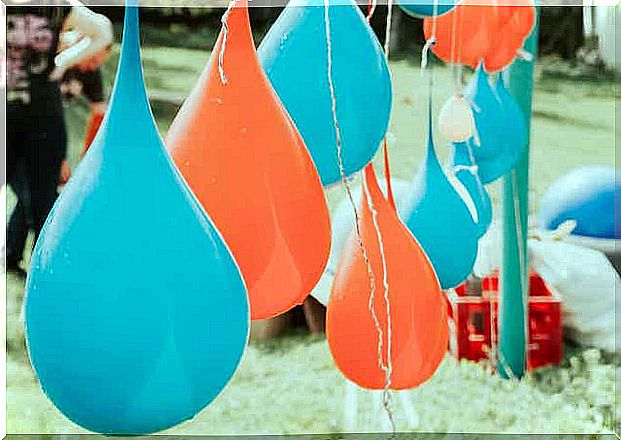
(98, 36)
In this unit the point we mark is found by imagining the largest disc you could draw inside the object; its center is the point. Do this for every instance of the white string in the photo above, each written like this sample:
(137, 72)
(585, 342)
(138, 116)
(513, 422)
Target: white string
(424, 58)
(471, 168)
(357, 222)
(225, 32)
(454, 65)
(388, 30)
(475, 171)
(388, 367)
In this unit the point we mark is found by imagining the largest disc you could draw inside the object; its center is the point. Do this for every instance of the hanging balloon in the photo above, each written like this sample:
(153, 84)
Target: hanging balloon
(503, 133)
(136, 313)
(472, 33)
(293, 54)
(245, 161)
(425, 8)
(418, 329)
(455, 120)
(516, 130)
(465, 170)
(438, 217)
(488, 117)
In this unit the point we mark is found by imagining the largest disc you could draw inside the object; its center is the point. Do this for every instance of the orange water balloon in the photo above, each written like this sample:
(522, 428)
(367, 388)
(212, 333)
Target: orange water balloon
(248, 166)
(492, 33)
(418, 327)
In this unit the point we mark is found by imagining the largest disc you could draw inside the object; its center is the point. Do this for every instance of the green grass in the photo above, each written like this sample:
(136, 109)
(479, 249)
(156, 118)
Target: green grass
(291, 385)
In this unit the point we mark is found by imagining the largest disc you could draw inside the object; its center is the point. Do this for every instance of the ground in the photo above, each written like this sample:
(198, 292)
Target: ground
(290, 385)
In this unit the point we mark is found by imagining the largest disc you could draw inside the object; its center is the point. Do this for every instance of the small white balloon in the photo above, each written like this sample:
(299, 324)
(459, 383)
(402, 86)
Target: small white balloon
(455, 121)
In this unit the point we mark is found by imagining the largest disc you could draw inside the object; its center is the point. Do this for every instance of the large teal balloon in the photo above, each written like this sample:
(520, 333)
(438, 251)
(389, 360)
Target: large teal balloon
(425, 8)
(294, 56)
(467, 173)
(440, 220)
(136, 313)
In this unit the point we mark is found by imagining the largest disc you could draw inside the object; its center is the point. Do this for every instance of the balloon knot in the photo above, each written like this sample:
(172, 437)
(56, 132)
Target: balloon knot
(225, 32)
(525, 55)
(424, 61)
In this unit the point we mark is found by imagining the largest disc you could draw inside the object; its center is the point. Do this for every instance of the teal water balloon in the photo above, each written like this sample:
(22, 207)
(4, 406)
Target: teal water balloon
(294, 57)
(488, 116)
(440, 220)
(136, 313)
(465, 170)
(514, 136)
(425, 8)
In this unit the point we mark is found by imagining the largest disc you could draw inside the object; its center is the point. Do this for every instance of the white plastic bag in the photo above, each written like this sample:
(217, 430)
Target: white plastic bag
(586, 282)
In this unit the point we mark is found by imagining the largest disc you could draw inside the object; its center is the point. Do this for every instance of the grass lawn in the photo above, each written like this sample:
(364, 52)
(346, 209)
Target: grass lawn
(291, 385)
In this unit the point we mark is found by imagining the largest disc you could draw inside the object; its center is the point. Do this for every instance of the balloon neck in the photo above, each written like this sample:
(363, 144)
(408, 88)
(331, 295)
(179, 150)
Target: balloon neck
(129, 105)
(481, 75)
(129, 90)
(432, 157)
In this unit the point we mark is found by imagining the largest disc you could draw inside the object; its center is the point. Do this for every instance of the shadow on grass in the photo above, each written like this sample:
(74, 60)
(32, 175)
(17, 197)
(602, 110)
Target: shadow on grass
(290, 339)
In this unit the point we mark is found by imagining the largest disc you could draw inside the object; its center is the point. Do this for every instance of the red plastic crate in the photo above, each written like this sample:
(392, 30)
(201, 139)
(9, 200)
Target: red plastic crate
(472, 321)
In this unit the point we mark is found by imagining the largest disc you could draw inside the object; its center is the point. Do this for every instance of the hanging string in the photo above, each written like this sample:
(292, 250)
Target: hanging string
(225, 32)
(387, 367)
(424, 59)
(337, 131)
(453, 59)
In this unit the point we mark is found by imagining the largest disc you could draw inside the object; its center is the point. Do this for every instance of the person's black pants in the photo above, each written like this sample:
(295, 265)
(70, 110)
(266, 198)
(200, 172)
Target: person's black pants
(36, 148)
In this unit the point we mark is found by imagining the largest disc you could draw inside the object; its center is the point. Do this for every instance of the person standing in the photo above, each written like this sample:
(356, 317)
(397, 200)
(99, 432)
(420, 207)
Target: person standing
(36, 133)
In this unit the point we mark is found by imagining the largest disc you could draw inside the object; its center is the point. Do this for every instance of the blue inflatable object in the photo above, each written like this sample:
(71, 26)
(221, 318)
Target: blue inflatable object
(440, 220)
(425, 8)
(294, 57)
(488, 116)
(136, 313)
(501, 127)
(516, 131)
(588, 196)
(514, 136)
(468, 175)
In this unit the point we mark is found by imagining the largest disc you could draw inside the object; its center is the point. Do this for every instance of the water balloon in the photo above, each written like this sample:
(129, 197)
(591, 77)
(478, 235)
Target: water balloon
(418, 324)
(425, 8)
(488, 117)
(588, 195)
(455, 120)
(516, 130)
(440, 220)
(473, 33)
(136, 313)
(503, 135)
(294, 56)
(245, 161)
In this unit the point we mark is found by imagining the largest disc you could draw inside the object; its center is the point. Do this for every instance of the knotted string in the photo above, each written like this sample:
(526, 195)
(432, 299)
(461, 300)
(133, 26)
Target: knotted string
(225, 32)
(387, 367)
(337, 131)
